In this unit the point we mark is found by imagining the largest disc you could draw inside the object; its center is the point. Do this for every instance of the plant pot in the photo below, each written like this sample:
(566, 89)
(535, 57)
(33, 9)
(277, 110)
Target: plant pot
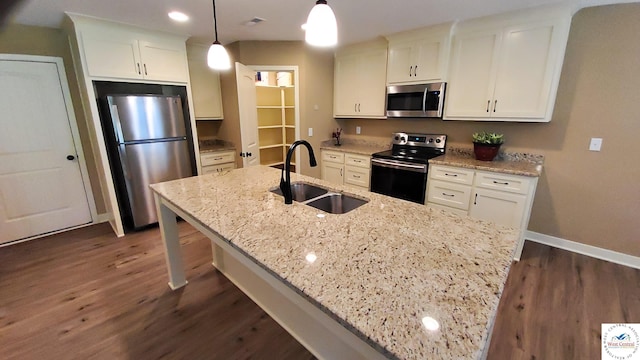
(485, 152)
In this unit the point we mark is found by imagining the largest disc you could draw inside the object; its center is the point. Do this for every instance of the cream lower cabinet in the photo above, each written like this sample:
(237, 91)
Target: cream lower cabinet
(500, 198)
(217, 161)
(346, 168)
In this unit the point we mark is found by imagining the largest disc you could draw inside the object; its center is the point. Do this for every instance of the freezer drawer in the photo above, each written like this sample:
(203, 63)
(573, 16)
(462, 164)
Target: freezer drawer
(150, 163)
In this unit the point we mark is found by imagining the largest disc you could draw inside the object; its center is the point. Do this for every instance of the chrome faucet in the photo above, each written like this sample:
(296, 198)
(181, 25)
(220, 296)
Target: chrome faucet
(285, 178)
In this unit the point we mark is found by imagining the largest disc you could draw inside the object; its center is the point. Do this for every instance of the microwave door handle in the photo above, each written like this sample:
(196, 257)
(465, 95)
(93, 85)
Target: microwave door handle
(424, 100)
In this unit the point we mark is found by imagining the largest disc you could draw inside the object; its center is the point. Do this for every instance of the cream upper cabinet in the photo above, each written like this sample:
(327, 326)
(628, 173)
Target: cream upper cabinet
(360, 81)
(205, 85)
(507, 68)
(419, 56)
(119, 51)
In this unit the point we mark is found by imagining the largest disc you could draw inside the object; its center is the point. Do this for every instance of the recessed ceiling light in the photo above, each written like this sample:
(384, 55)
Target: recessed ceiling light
(178, 16)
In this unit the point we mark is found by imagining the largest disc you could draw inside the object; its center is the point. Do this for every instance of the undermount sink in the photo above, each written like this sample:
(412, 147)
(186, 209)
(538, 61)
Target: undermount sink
(321, 199)
(337, 203)
(303, 191)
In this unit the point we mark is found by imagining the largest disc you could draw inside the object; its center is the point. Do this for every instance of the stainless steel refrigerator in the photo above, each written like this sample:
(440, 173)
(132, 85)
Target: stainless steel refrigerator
(152, 147)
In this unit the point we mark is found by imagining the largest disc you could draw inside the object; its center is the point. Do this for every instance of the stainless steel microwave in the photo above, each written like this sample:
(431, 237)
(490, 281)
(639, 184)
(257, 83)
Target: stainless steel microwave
(417, 101)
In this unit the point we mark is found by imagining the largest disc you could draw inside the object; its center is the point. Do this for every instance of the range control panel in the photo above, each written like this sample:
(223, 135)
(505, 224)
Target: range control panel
(422, 140)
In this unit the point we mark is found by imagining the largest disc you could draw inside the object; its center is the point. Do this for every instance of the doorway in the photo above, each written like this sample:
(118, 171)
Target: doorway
(277, 105)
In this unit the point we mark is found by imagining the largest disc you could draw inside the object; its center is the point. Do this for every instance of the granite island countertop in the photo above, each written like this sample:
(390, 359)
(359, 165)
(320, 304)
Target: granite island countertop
(380, 268)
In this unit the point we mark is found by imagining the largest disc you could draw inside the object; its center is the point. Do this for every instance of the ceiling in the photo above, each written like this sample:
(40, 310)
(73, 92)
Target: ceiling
(358, 20)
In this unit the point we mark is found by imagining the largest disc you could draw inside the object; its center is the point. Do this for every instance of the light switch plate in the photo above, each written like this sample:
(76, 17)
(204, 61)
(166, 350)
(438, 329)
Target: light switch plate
(358, 130)
(310, 131)
(595, 144)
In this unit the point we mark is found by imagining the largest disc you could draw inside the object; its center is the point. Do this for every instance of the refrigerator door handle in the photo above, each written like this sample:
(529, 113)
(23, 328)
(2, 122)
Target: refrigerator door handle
(116, 124)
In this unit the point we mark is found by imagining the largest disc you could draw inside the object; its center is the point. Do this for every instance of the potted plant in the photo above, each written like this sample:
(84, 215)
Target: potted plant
(486, 145)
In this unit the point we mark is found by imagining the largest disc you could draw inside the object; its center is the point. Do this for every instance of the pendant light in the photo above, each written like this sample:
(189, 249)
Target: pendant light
(322, 28)
(217, 57)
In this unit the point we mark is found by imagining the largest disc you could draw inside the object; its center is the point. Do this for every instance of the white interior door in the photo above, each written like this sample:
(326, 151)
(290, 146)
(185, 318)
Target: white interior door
(246, 79)
(41, 187)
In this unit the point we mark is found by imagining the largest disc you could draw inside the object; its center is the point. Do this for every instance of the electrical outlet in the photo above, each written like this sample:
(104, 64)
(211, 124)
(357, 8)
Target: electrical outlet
(595, 144)
(358, 130)
(310, 132)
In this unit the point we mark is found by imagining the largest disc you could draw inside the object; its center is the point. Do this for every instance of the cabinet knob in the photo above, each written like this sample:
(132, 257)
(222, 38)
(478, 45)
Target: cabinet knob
(415, 71)
(495, 105)
(488, 103)
(410, 70)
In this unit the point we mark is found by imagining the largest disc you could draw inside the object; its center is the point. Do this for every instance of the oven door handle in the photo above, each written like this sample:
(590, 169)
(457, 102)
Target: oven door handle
(399, 165)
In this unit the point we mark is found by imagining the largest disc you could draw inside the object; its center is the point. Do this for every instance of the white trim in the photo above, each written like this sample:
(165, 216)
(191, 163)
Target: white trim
(101, 218)
(588, 250)
(296, 84)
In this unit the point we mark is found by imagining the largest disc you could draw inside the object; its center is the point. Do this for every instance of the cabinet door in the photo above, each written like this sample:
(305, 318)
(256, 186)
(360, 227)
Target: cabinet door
(111, 55)
(472, 80)
(401, 63)
(205, 85)
(525, 72)
(164, 60)
(332, 172)
(345, 86)
(371, 83)
(429, 62)
(500, 207)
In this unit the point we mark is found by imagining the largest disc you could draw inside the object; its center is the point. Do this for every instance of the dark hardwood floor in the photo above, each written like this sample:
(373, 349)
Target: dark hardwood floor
(85, 294)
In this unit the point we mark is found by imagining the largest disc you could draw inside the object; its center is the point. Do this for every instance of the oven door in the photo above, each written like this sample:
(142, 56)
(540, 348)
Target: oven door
(399, 179)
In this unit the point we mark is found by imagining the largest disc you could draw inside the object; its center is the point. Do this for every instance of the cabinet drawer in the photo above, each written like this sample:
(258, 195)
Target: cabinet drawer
(333, 156)
(448, 194)
(451, 174)
(459, 212)
(215, 158)
(218, 168)
(357, 160)
(356, 176)
(503, 182)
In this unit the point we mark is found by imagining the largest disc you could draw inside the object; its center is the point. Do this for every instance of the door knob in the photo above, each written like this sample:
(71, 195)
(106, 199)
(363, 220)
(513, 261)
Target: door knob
(248, 154)
(70, 157)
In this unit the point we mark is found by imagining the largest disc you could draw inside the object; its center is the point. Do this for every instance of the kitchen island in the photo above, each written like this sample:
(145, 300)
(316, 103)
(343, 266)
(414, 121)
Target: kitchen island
(389, 279)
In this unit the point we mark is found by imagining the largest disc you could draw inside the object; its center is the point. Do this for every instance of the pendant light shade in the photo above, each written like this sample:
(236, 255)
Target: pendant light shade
(322, 28)
(217, 57)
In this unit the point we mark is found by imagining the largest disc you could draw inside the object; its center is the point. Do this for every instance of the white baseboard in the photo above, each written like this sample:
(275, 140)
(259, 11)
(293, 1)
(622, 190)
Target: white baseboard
(588, 250)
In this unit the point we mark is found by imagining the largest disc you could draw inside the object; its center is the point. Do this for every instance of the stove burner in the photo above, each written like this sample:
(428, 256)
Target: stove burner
(414, 148)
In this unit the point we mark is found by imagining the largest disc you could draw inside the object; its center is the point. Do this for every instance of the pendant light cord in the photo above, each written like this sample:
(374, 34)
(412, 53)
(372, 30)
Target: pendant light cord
(215, 22)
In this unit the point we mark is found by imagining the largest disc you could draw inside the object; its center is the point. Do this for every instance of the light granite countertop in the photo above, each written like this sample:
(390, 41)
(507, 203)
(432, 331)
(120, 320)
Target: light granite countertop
(380, 269)
(215, 145)
(509, 163)
(356, 146)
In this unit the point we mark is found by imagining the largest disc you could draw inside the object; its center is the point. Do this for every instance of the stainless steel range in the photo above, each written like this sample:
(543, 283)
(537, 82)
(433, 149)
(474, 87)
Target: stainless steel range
(402, 171)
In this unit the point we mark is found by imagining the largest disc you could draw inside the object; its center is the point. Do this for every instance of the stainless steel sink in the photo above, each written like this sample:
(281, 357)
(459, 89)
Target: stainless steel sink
(321, 199)
(302, 191)
(337, 203)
